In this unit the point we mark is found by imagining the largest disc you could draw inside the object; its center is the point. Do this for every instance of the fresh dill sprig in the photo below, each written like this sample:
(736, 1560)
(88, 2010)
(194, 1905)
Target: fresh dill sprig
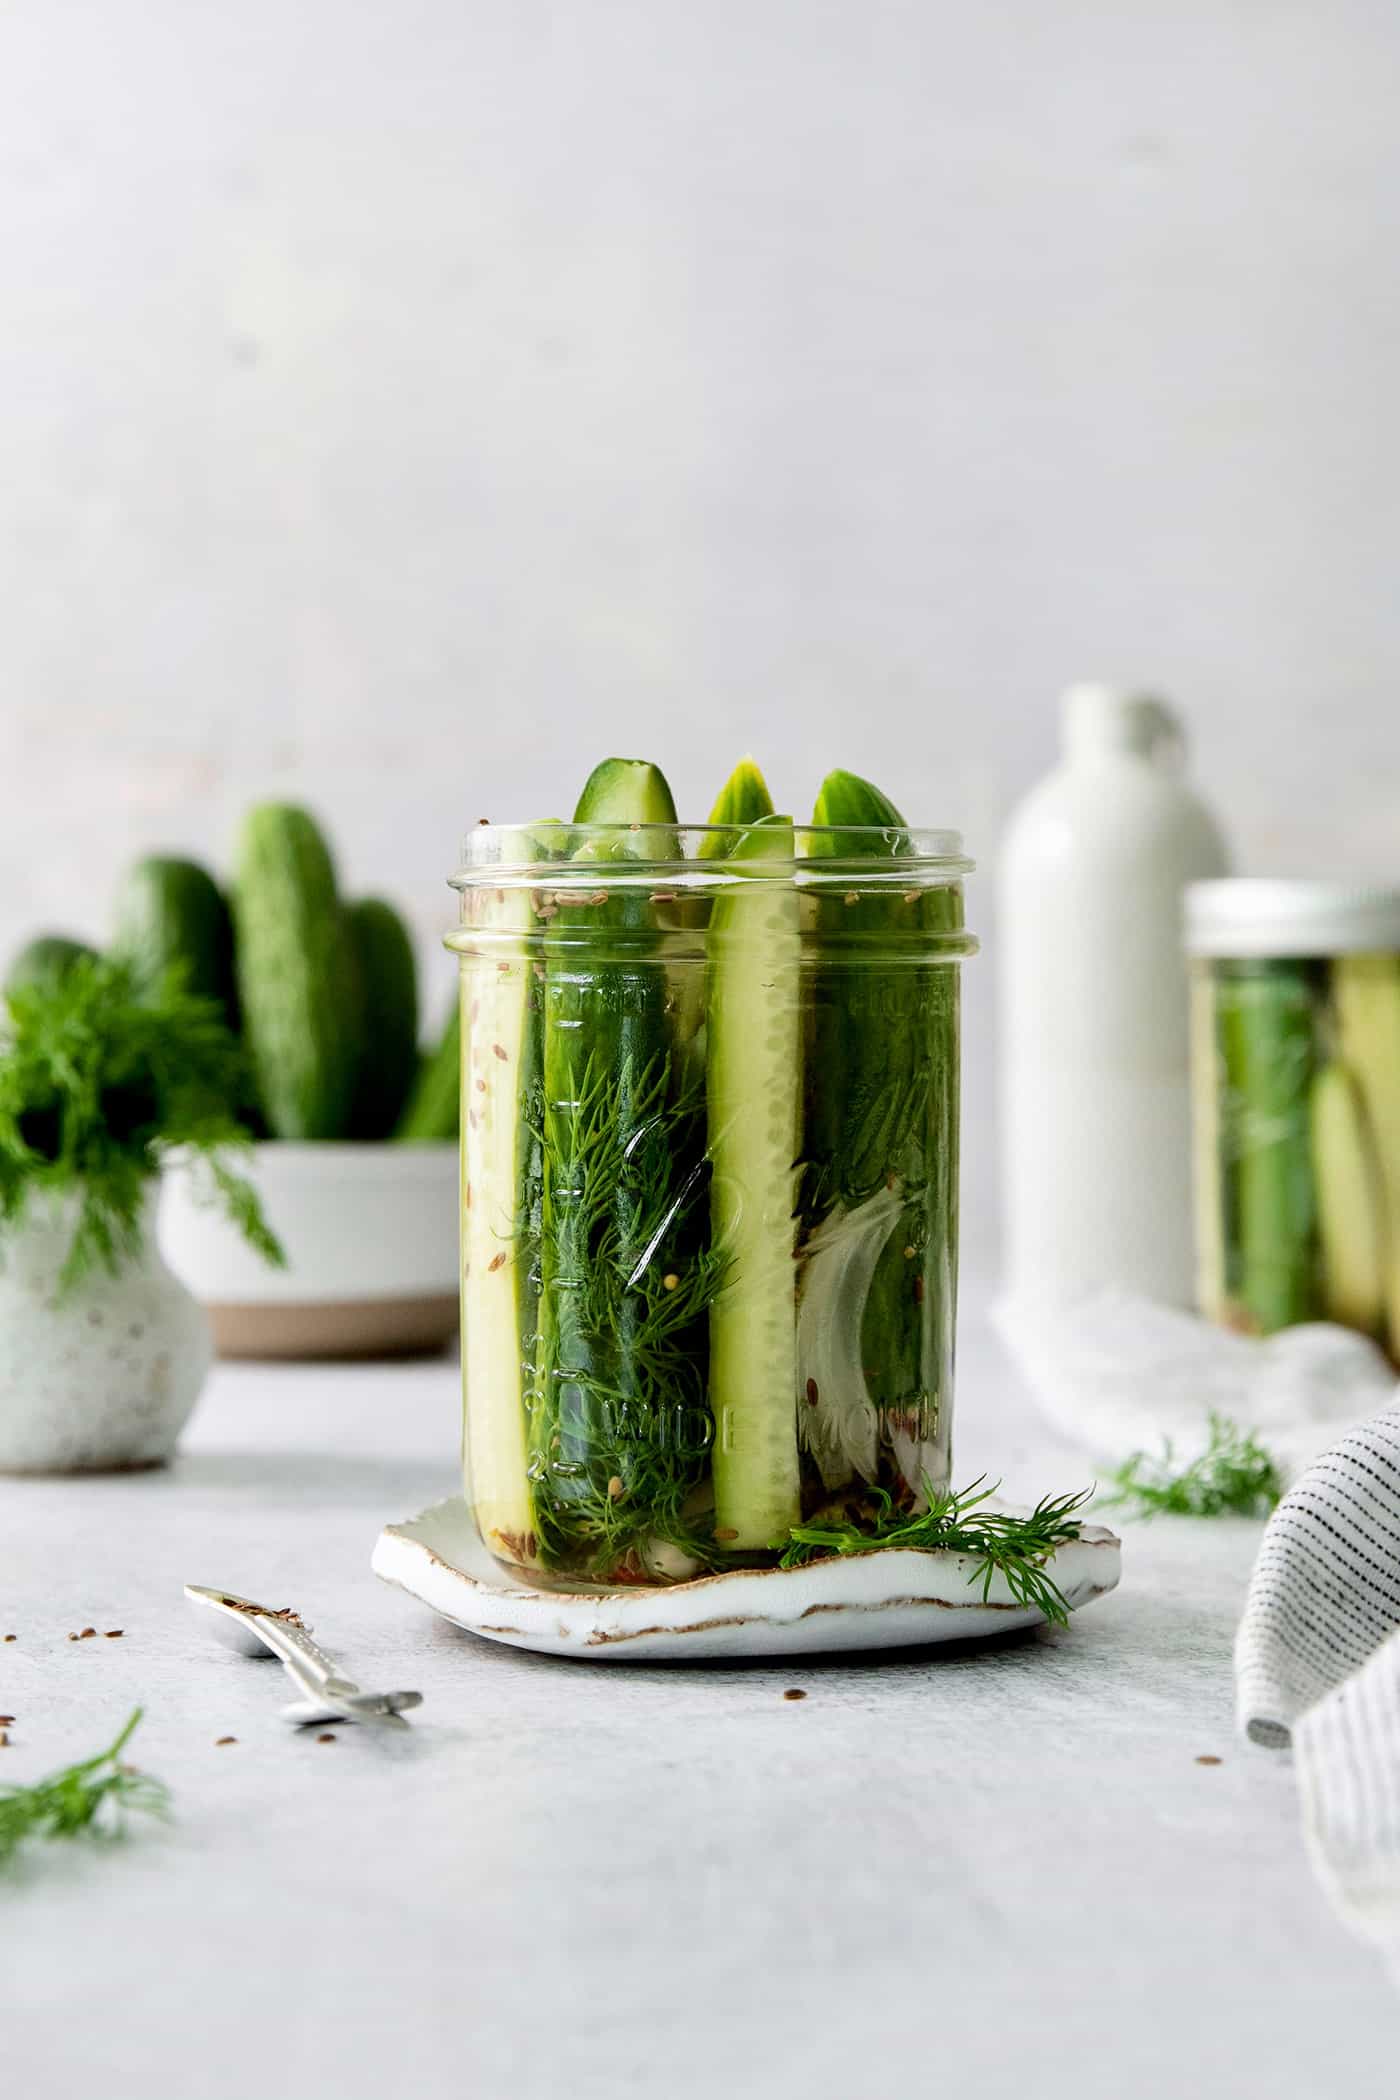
(1018, 1548)
(100, 1080)
(91, 1799)
(617, 1400)
(1233, 1476)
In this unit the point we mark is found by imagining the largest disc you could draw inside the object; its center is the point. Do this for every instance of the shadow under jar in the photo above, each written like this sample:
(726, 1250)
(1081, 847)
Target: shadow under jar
(709, 1187)
(1296, 1104)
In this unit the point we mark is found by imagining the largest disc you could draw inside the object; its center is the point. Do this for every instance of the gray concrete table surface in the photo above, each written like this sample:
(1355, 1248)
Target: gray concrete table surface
(993, 1870)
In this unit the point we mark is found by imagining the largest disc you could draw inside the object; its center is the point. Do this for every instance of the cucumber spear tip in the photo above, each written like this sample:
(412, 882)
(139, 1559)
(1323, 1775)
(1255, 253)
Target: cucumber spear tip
(844, 799)
(626, 791)
(744, 799)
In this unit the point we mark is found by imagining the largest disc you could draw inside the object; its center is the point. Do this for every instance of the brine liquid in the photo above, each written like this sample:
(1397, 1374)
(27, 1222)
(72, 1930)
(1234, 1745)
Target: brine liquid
(593, 1269)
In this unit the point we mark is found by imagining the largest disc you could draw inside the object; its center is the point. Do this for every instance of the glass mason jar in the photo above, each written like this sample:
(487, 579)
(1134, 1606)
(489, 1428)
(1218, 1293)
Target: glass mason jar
(709, 1187)
(1296, 1104)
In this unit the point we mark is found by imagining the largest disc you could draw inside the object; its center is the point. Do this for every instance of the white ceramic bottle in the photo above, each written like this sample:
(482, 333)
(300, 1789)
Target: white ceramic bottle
(1096, 1119)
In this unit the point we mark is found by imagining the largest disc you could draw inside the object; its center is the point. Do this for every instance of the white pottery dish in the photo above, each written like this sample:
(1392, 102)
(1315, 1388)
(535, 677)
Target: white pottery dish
(889, 1599)
(370, 1234)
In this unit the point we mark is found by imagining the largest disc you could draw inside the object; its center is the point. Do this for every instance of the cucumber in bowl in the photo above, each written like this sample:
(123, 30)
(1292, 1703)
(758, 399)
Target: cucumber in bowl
(299, 982)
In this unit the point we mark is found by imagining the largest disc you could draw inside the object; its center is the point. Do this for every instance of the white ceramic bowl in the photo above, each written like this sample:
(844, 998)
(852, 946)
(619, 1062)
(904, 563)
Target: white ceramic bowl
(370, 1233)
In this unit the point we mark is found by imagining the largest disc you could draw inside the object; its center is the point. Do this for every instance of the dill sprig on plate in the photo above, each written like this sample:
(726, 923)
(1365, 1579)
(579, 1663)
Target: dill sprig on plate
(99, 1082)
(91, 1799)
(1018, 1548)
(1233, 1476)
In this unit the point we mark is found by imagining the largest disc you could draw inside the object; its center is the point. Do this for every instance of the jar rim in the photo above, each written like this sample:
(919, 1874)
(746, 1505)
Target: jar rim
(1253, 917)
(493, 853)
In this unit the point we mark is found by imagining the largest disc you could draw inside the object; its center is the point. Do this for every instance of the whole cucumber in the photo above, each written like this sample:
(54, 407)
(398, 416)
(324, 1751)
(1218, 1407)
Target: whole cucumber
(389, 978)
(298, 978)
(44, 962)
(170, 913)
(432, 1110)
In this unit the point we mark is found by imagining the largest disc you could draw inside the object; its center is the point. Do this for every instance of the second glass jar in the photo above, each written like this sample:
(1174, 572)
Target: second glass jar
(709, 1188)
(1296, 1098)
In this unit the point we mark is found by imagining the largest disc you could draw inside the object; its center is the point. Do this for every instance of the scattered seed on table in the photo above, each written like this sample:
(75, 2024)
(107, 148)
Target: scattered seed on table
(4, 1740)
(325, 1738)
(113, 1633)
(5, 1720)
(1207, 1760)
(72, 1636)
(794, 1694)
(220, 1740)
(89, 1633)
(12, 1636)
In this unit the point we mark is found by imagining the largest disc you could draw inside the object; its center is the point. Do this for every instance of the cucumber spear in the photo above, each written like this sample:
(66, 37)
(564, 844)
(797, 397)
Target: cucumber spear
(1350, 1202)
(744, 799)
(497, 1042)
(1366, 990)
(1267, 1018)
(617, 1388)
(754, 1093)
(881, 1148)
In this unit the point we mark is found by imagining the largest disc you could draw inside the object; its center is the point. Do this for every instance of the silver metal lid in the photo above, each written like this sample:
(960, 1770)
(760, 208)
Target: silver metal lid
(1249, 916)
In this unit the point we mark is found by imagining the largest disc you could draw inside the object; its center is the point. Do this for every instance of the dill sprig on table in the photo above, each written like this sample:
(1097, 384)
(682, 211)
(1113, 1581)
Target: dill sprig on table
(1018, 1548)
(91, 1799)
(1233, 1476)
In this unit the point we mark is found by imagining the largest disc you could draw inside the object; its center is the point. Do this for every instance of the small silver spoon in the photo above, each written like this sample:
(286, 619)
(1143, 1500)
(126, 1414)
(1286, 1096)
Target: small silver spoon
(326, 1695)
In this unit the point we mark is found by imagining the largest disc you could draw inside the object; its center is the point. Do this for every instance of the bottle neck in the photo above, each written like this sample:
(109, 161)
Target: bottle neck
(1101, 721)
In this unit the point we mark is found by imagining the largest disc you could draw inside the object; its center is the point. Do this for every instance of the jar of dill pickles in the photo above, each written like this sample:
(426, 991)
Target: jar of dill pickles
(1296, 1103)
(709, 1186)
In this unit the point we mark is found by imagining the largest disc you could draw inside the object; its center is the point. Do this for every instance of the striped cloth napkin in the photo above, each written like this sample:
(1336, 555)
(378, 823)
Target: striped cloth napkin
(1317, 1665)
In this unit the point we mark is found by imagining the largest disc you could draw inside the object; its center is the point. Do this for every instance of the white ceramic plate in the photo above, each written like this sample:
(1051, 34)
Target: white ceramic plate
(871, 1600)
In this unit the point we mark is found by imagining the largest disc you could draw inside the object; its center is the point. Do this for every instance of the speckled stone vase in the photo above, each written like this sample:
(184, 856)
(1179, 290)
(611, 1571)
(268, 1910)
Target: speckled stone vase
(100, 1377)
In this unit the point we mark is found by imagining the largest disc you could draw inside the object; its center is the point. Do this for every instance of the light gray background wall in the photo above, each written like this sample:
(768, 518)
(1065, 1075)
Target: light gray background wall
(402, 403)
